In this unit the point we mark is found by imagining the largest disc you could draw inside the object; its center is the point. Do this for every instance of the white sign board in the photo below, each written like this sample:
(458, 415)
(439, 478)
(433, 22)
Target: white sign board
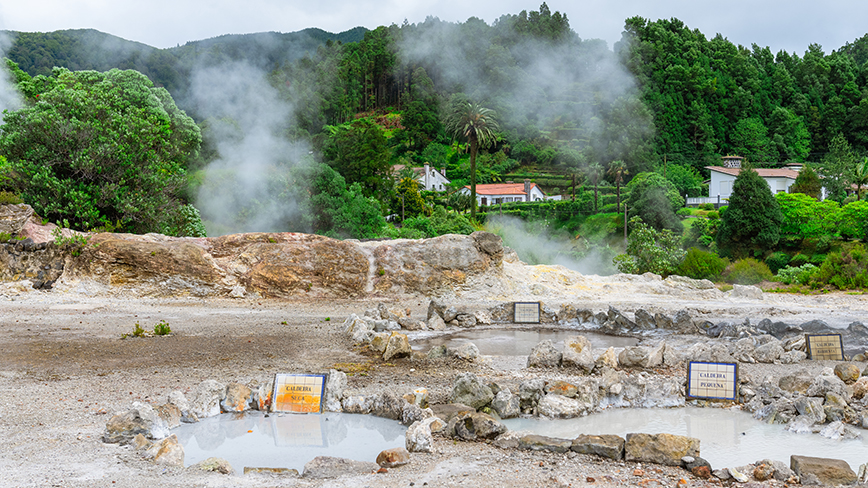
(712, 380)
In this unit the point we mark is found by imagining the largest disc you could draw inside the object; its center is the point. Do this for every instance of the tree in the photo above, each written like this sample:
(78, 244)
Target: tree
(408, 200)
(834, 166)
(594, 173)
(359, 152)
(655, 199)
(101, 148)
(337, 210)
(650, 251)
(618, 171)
(859, 176)
(476, 124)
(807, 183)
(751, 223)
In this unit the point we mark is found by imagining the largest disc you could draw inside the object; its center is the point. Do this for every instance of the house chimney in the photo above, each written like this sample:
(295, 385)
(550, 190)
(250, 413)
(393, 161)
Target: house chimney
(427, 177)
(527, 190)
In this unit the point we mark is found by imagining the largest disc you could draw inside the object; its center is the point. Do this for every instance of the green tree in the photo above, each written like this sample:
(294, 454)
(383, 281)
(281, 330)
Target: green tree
(833, 168)
(408, 201)
(337, 210)
(806, 218)
(618, 171)
(650, 251)
(752, 221)
(476, 124)
(594, 173)
(859, 176)
(655, 199)
(101, 148)
(359, 152)
(807, 183)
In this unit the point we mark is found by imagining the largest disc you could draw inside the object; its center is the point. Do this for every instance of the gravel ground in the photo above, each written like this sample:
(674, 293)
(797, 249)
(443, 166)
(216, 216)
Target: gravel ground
(64, 369)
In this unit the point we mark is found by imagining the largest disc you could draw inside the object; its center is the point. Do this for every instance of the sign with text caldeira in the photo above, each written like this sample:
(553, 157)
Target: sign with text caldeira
(298, 393)
(526, 312)
(712, 380)
(825, 346)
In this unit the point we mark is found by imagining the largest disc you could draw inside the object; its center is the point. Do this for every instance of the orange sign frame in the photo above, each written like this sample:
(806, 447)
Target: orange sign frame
(298, 393)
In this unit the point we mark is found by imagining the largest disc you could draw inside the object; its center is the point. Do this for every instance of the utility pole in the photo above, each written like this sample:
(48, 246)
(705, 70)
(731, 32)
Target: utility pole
(625, 224)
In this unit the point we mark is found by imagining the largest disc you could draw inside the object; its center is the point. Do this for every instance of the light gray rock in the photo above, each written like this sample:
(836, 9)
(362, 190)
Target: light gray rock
(811, 409)
(436, 323)
(397, 347)
(209, 394)
(827, 471)
(358, 404)
(506, 404)
(743, 291)
(782, 472)
(608, 446)
(607, 360)
(561, 407)
(475, 426)
(388, 405)
(530, 392)
(544, 355)
(334, 390)
(578, 353)
(13, 217)
(419, 436)
(665, 449)
(469, 390)
(544, 443)
(467, 352)
(214, 465)
(683, 322)
(178, 399)
(167, 452)
(644, 320)
(768, 353)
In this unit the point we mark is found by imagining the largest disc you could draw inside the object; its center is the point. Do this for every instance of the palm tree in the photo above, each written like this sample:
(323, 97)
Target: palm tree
(618, 170)
(476, 125)
(860, 176)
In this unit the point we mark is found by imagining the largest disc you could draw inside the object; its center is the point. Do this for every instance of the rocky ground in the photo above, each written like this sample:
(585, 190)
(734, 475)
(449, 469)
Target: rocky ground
(64, 369)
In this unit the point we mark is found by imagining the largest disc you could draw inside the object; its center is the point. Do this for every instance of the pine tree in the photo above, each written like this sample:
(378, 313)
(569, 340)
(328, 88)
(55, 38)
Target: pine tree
(751, 224)
(807, 183)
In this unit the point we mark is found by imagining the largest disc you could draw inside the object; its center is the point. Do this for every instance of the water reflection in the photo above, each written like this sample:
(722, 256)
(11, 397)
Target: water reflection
(287, 440)
(728, 438)
(518, 342)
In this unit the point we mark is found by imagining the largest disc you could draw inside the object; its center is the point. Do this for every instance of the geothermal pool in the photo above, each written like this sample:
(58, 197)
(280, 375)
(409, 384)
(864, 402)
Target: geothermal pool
(285, 440)
(728, 438)
(516, 341)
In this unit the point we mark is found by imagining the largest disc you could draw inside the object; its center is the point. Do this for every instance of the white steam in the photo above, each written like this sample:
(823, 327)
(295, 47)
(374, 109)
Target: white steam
(244, 189)
(10, 99)
(535, 246)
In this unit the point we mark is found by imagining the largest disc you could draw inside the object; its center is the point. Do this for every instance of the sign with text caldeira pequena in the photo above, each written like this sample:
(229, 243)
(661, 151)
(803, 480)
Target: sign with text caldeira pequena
(526, 312)
(825, 346)
(298, 393)
(712, 380)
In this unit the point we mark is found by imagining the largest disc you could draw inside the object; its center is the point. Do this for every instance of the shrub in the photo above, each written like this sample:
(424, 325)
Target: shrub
(818, 258)
(748, 271)
(162, 328)
(847, 269)
(777, 261)
(684, 212)
(701, 265)
(798, 260)
(706, 206)
(649, 250)
(801, 275)
(9, 198)
(713, 215)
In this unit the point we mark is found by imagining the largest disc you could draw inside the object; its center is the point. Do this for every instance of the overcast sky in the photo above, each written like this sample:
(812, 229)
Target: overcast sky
(790, 25)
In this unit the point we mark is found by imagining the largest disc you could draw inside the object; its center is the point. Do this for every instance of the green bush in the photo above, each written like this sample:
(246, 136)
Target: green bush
(747, 271)
(845, 270)
(701, 265)
(706, 206)
(799, 259)
(777, 261)
(684, 212)
(9, 198)
(713, 215)
(801, 275)
(818, 259)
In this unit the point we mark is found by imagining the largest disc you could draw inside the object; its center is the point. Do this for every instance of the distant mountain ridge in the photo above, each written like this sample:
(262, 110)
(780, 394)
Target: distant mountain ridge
(82, 49)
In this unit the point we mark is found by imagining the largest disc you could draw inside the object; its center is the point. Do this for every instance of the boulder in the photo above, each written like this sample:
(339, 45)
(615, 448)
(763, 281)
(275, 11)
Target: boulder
(238, 398)
(334, 390)
(506, 405)
(848, 372)
(469, 390)
(214, 465)
(530, 392)
(798, 382)
(140, 419)
(419, 437)
(544, 443)
(544, 355)
(167, 452)
(578, 353)
(781, 472)
(607, 360)
(13, 217)
(665, 449)
(466, 352)
(325, 467)
(358, 404)
(447, 411)
(827, 471)
(178, 399)
(388, 405)
(746, 291)
(644, 320)
(560, 407)
(397, 347)
(475, 426)
(436, 323)
(768, 353)
(811, 409)
(607, 446)
(209, 394)
(682, 322)
(641, 357)
(170, 413)
(396, 456)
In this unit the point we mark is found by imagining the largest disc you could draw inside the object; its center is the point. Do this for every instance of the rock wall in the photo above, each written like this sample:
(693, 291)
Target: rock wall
(281, 265)
(41, 263)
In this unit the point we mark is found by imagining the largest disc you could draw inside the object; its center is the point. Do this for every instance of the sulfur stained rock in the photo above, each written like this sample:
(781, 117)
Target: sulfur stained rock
(397, 347)
(238, 398)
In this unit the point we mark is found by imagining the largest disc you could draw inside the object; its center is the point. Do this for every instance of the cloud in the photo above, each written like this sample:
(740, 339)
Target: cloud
(10, 99)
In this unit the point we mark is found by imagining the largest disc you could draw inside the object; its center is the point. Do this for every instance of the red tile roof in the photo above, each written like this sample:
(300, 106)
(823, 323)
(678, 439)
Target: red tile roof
(763, 172)
(501, 188)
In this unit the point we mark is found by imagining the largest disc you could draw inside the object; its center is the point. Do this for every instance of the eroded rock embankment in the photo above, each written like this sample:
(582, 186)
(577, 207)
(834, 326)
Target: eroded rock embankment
(269, 265)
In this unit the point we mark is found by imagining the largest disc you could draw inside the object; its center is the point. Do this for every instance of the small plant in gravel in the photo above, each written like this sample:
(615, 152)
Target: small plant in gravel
(138, 331)
(162, 328)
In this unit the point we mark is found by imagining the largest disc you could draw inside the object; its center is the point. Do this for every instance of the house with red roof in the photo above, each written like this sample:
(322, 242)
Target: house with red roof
(496, 193)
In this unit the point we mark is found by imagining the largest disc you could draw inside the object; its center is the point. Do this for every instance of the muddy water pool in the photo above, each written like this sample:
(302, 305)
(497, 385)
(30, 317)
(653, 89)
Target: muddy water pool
(728, 438)
(516, 341)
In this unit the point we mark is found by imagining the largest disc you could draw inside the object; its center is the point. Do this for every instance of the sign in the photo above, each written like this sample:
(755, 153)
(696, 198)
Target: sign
(526, 313)
(298, 393)
(712, 380)
(825, 346)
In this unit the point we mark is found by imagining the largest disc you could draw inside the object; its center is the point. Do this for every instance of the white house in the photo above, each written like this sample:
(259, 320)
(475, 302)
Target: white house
(722, 178)
(429, 178)
(495, 193)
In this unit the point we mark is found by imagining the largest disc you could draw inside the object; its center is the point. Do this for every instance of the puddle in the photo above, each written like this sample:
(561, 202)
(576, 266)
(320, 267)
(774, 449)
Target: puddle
(287, 441)
(518, 342)
(728, 438)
